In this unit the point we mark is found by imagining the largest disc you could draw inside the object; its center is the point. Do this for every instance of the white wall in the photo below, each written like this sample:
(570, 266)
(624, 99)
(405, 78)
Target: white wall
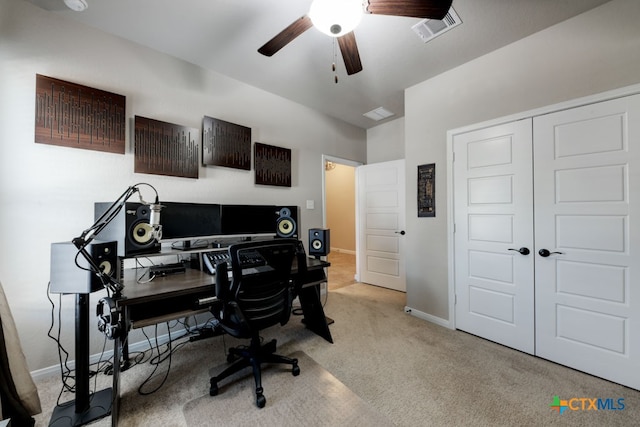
(47, 192)
(385, 142)
(594, 52)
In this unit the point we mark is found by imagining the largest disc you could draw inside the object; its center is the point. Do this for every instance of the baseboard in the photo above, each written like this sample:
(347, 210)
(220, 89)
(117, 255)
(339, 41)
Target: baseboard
(428, 317)
(139, 346)
(343, 251)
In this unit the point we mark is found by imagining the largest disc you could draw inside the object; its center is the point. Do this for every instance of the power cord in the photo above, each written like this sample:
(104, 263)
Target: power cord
(65, 371)
(163, 355)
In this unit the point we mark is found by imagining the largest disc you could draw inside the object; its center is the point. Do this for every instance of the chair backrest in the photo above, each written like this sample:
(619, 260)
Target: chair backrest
(261, 291)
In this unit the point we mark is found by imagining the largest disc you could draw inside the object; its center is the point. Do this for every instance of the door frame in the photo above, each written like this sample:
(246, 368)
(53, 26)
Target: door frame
(578, 102)
(326, 158)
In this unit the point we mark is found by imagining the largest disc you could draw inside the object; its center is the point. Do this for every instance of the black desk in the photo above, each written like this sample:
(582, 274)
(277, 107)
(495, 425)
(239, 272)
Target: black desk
(180, 295)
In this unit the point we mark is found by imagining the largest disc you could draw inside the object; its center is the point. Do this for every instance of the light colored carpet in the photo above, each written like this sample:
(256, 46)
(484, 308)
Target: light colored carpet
(314, 398)
(412, 372)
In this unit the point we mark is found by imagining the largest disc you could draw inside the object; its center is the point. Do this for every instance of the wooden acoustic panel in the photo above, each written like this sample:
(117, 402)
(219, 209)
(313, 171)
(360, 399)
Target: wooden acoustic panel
(165, 149)
(272, 165)
(72, 115)
(225, 144)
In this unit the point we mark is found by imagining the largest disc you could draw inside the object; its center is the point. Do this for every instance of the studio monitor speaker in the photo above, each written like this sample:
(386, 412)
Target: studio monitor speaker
(68, 278)
(319, 241)
(287, 221)
(130, 228)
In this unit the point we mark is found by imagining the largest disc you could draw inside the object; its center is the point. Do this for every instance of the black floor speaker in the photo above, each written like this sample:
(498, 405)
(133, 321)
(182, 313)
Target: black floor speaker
(130, 228)
(319, 244)
(68, 278)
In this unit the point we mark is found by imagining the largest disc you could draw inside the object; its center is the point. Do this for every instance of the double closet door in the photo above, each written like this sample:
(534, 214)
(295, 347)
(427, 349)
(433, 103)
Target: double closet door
(547, 236)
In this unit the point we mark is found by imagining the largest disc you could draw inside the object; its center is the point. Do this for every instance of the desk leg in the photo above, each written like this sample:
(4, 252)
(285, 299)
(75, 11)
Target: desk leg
(124, 341)
(314, 317)
(115, 404)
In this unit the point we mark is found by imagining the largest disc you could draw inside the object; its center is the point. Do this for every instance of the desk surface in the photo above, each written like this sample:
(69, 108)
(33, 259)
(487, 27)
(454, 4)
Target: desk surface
(190, 282)
(163, 287)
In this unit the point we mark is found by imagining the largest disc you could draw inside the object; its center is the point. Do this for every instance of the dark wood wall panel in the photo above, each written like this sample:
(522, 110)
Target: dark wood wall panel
(225, 144)
(72, 115)
(273, 165)
(165, 149)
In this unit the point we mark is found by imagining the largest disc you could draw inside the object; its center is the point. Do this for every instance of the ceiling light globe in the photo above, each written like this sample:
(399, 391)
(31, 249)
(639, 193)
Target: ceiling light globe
(336, 17)
(76, 5)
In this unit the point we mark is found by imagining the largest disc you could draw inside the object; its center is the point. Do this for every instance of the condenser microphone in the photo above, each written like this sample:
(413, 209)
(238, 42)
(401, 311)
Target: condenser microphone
(154, 220)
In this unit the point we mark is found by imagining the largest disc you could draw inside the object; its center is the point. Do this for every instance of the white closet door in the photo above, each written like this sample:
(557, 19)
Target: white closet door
(587, 186)
(493, 201)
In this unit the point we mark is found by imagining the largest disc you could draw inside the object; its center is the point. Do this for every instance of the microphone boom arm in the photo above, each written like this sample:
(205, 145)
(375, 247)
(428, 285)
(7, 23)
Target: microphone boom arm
(81, 242)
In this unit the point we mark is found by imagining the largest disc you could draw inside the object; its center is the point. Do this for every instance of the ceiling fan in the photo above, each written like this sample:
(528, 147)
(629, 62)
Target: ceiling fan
(75, 5)
(338, 18)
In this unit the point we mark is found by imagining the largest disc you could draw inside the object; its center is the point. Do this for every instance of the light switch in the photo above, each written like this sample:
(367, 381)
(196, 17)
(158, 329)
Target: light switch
(310, 204)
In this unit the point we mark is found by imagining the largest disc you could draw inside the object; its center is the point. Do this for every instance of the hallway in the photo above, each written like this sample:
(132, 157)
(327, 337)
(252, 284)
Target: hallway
(342, 271)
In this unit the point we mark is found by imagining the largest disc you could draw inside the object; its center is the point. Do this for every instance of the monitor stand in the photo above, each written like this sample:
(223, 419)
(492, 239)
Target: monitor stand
(187, 246)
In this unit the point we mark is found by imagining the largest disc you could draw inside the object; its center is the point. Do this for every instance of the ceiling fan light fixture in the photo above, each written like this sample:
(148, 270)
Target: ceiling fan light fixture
(336, 17)
(76, 5)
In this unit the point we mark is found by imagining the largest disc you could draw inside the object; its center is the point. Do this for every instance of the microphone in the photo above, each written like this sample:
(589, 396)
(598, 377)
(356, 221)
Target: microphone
(154, 220)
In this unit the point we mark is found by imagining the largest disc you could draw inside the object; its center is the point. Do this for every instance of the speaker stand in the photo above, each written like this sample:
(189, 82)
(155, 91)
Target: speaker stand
(85, 408)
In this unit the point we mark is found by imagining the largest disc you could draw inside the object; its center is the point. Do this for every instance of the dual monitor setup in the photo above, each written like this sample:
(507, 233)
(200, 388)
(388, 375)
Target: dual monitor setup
(187, 225)
(183, 223)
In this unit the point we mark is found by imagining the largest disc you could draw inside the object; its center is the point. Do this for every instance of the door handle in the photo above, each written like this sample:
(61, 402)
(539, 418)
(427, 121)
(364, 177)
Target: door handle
(402, 233)
(523, 250)
(545, 253)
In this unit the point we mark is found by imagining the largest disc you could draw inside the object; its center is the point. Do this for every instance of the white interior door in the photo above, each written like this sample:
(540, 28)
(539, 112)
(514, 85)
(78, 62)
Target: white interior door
(381, 223)
(587, 166)
(493, 216)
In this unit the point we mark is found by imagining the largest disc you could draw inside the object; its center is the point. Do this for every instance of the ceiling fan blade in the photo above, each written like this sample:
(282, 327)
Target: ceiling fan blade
(350, 54)
(432, 9)
(286, 36)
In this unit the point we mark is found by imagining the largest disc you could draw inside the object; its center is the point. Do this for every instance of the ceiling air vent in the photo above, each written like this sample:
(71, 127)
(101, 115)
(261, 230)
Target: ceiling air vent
(378, 114)
(428, 29)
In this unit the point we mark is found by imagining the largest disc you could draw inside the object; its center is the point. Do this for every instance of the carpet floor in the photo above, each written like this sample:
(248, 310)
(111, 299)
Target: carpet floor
(313, 398)
(411, 372)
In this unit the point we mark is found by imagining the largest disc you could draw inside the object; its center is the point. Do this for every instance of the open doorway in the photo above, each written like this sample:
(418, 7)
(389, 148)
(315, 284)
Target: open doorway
(339, 201)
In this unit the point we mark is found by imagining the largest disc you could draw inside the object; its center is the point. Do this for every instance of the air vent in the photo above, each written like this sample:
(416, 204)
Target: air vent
(378, 114)
(428, 29)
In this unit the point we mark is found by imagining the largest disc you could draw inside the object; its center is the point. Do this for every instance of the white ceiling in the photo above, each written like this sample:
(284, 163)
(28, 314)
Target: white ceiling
(224, 35)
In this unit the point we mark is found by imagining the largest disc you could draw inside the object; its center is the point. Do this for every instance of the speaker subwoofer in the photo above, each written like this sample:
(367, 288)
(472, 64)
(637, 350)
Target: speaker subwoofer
(67, 278)
(130, 228)
(319, 241)
(286, 223)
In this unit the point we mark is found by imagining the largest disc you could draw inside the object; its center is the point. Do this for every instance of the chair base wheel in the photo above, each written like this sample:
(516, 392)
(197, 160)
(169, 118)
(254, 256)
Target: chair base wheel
(261, 401)
(213, 390)
(295, 370)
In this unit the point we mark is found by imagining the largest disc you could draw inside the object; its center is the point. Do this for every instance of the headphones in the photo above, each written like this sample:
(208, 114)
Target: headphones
(109, 322)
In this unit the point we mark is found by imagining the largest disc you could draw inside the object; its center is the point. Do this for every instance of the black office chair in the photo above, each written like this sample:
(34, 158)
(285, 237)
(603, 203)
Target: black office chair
(259, 296)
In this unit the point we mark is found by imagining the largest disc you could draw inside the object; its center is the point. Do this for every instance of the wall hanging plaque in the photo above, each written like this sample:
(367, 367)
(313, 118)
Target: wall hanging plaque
(165, 149)
(72, 115)
(272, 165)
(225, 144)
(427, 190)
